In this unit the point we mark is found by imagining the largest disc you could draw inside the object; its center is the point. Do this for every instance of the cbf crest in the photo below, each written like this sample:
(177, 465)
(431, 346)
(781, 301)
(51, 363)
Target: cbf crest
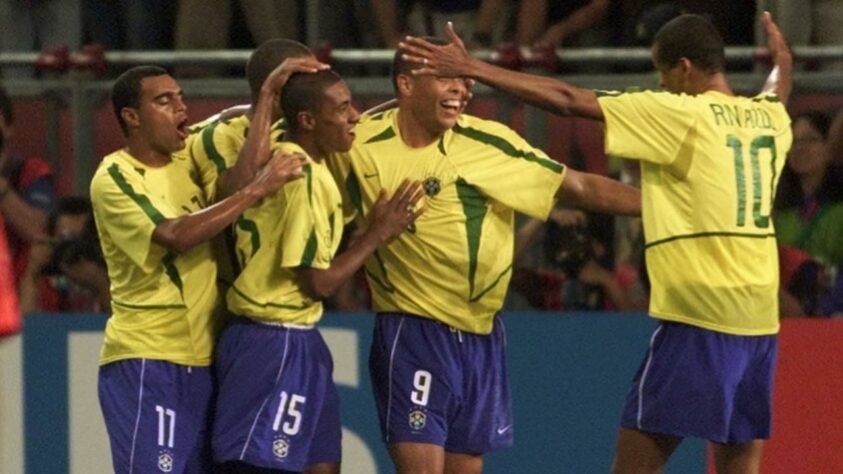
(418, 419)
(432, 186)
(280, 447)
(165, 461)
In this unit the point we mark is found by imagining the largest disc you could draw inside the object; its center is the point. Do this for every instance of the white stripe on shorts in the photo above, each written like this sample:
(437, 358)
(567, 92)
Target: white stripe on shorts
(389, 380)
(644, 376)
(137, 418)
(266, 400)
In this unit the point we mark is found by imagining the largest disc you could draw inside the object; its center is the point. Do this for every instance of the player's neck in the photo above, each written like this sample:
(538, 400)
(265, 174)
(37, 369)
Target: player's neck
(308, 143)
(413, 132)
(718, 82)
(810, 183)
(146, 153)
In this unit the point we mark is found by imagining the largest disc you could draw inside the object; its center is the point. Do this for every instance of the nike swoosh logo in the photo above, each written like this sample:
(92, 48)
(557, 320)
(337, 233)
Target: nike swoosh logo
(503, 429)
(370, 175)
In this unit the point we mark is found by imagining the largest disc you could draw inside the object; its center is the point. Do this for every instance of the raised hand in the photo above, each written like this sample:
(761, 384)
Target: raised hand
(780, 80)
(451, 60)
(391, 217)
(280, 75)
(279, 170)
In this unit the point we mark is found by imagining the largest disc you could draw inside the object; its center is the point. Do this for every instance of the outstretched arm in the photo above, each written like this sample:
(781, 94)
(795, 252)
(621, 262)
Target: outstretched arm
(780, 80)
(599, 194)
(453, 60)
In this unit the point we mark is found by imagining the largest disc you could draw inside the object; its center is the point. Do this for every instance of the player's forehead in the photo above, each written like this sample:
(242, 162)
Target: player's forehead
(338, 93)
(156, 86)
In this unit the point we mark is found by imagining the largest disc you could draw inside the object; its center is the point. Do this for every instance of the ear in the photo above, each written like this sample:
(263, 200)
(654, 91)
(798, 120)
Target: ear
(306, 120)
(131, 117)
(686, 65)
(405, 84)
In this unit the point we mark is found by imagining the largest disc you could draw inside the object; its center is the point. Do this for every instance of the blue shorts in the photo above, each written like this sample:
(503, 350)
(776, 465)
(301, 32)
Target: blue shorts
(157, 415)
(705, 384)
(277, 405)
(438, 385)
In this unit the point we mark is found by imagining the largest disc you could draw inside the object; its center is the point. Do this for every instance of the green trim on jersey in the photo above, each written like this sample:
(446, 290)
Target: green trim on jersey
(384, 135)
(474, 208)
(269, 305)
(506, 147)
(149, 306)
(309, 249)
(353, 188)
(492, 285)
(169, 262)
(708, 234)
(211, 148)
(141, 200)
(249, 226)
(385, 283)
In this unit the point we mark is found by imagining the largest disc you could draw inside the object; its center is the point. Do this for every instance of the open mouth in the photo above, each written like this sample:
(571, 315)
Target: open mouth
(453, 106)
(181, 129)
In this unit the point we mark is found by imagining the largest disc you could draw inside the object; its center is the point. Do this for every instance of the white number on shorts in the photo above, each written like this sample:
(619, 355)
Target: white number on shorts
(421, 381)
(165, 436)
(292, 410)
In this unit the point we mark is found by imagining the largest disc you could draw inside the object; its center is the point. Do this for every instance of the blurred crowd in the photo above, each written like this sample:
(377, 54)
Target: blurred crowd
(574, 262)
(37, 25)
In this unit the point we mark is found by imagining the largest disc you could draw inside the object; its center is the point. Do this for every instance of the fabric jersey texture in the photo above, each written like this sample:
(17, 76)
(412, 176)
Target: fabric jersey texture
(455, 262)
(161, 301)
(710, 166)
(299, 226)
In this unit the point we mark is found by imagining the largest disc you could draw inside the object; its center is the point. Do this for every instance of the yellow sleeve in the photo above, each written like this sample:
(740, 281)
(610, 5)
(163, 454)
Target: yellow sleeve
(509, 170)
(303, 244)
(648, 126)
(128, 213)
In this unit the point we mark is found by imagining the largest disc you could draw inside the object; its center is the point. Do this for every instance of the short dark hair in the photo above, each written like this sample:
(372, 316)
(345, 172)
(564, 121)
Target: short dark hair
(6, 107)
(304, 92)
(400, 66)
(266, 57)
(126, 90)
(69, 205)
(693, 37)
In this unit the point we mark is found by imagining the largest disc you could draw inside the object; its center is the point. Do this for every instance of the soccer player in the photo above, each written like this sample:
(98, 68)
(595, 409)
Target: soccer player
(153, 223)
(277, 406)
(710, 164)
(438, 356)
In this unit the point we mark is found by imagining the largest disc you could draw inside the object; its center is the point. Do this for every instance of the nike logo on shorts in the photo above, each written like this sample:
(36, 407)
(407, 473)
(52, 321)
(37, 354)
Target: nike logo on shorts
(503, 429)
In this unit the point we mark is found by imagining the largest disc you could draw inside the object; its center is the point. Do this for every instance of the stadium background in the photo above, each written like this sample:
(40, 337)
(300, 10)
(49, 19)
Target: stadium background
(570, 371)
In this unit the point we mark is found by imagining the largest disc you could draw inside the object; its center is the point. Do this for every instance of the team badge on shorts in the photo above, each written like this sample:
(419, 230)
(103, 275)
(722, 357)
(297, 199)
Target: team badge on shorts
(165, 461)
(280, 448)
(432, 186)
(417, 419)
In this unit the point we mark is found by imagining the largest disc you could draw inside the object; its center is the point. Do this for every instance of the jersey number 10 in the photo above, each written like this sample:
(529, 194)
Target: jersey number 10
(759, 143)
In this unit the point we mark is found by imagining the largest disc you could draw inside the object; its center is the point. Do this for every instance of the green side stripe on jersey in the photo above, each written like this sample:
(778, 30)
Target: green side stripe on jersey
(211, 148)
(507, 148)
(141, 200)
(308, 175)
(442, 145)
(250, 227)
(385, 283)
(309, 249)
(384, 135)
(304, 305)
(709, 234)
(474, 208)
(353, 188)
(149, 306)
(169, 262)
(494, 284)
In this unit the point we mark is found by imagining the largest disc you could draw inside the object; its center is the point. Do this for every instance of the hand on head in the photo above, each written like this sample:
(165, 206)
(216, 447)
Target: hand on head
(450, 60)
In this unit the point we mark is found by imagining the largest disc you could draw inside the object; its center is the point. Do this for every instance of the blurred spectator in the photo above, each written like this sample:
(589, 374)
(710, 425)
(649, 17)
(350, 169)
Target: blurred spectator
(579, 269)
(555, 23)
(480, 22)
(805, 22)
(130, 24)
(808, 215)
(10, 320)
(34, 25)
(205, 24)
(808, 210)
(66, 272)
(26, 192)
